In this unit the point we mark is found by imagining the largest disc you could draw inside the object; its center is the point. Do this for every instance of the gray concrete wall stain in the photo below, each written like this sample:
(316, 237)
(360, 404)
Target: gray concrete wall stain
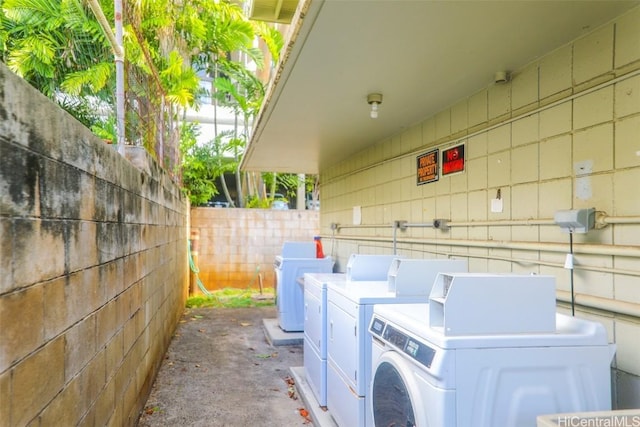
(94, 268)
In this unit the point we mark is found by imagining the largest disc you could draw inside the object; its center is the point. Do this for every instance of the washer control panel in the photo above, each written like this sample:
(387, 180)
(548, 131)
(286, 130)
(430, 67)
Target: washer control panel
(417, 350)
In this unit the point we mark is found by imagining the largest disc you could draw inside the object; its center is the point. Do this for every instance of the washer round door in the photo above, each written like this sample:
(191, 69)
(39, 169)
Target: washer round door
(394, 393)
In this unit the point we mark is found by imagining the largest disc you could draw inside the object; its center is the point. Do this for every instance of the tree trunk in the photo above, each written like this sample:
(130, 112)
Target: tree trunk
(225, 190)
(301, 199)
(272, 190)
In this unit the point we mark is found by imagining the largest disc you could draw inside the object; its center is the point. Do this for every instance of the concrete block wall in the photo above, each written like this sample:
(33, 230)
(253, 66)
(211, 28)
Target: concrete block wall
(564, 133)
(93, 257)
(235, 245)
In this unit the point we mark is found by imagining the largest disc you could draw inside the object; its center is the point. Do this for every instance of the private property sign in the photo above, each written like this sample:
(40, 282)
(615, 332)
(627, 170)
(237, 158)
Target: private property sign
(427, 166)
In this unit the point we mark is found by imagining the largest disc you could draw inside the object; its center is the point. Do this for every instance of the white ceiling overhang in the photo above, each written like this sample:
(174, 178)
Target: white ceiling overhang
(423, 56)
(279, 11)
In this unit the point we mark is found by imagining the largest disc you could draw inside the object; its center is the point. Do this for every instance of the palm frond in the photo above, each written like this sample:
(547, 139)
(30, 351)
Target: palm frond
(95, 78)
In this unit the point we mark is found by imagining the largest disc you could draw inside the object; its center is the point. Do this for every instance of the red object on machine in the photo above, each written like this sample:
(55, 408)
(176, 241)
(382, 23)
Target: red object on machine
(319, 251)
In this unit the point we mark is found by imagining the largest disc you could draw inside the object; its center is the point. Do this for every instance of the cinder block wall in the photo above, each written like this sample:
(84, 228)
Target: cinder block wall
(564, 133)
(236, 245)
(93, 269)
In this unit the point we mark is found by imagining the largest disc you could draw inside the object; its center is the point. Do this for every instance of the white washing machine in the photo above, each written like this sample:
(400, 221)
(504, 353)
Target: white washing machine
(371, 267)
(349, 309)
(296, 259)
(447, 375)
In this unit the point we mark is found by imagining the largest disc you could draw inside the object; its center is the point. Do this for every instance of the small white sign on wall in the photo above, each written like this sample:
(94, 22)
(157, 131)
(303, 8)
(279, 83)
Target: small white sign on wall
(496, 204)
(357, 215)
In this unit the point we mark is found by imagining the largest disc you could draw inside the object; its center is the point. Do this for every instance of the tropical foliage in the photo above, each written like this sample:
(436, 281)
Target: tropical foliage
(61, 49)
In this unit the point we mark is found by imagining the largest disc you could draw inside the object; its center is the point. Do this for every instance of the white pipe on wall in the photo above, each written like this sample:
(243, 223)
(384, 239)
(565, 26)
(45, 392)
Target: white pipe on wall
(116, 41)
(601, 221)
(340, 227)
(502, 223)
(620, 220)
(583, 248)
(119, 76)
(600, 303)
(587, 301)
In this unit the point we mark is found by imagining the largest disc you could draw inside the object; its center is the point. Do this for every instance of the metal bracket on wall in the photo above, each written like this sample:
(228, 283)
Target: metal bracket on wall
(400, 224)
(441, 224)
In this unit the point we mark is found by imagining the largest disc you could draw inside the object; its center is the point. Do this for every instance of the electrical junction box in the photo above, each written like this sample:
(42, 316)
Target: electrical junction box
(576, 220)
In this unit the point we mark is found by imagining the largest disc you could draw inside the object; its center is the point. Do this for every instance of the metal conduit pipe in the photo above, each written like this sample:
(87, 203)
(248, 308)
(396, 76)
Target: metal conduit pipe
(588, 301)
(583, 248)
(600, 303)
(546, 263)
(502, 223)
(620, 220)
(602, 220)
(523, 261)
(340, 227)
(116, 42)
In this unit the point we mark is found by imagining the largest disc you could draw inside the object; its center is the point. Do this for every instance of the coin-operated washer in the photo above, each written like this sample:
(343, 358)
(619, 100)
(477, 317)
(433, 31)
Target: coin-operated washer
(296, 259)
(349, 310)
(487, 350)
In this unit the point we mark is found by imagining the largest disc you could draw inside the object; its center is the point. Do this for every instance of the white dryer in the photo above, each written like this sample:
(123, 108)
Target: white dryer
(296, 259)
(350, 307)
(359, 267)
(315, 332)
(428, 376)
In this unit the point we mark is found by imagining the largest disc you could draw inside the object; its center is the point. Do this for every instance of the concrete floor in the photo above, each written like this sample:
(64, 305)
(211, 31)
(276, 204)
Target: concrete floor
(221, 370)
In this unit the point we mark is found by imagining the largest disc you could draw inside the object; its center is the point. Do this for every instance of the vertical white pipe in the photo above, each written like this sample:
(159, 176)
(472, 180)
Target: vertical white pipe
(118, 52)
(119, 58)
(301, 193)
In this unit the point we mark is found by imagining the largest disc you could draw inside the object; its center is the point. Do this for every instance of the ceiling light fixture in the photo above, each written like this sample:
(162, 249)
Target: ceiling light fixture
(374, 99)
(501, 77)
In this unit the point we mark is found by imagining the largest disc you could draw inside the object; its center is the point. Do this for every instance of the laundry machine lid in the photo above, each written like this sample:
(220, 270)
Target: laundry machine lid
(570, 331)
(298, 250)
(369, 267)
(322, 279)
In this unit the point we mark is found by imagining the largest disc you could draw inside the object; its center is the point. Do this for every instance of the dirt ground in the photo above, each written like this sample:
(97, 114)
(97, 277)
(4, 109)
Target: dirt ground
(220, 370)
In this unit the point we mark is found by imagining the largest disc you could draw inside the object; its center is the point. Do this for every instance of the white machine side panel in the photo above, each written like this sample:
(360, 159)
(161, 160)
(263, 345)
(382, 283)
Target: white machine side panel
(346, 408)
(342, 342)
(510, 387)
(315, 369)
(314, 322)
(435, 405)
(363, 369)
